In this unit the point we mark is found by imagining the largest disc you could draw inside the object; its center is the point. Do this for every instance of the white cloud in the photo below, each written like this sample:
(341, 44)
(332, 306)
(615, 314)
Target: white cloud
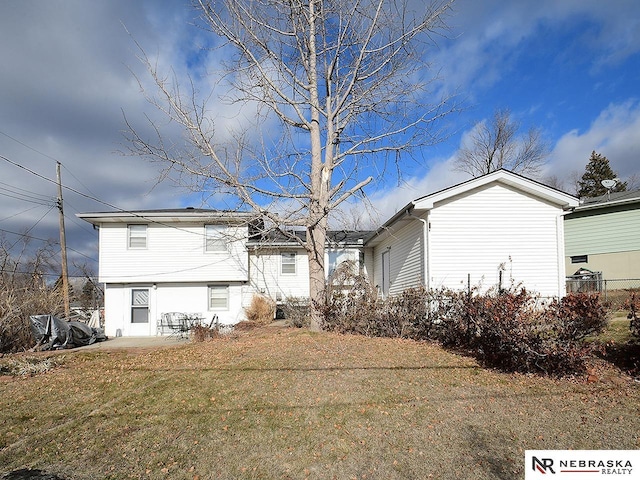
(487, 35)
(614, 134)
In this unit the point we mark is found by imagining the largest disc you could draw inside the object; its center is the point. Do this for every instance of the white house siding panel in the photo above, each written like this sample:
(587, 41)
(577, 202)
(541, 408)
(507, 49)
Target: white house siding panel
(267, 277)
(405, 258)
(173, 254)
(495, 228)
(189, 298)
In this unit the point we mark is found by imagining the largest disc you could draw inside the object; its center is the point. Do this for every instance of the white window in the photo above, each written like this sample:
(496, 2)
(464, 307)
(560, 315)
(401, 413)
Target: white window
(218, 297)
(338, 256)
(137, 236)
(288, 263)
(214, 239)
(140, 305)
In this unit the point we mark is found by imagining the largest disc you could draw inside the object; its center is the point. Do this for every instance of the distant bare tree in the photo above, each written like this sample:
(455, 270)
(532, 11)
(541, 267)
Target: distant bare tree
(497, 144)
(338, 85)
(24, 291)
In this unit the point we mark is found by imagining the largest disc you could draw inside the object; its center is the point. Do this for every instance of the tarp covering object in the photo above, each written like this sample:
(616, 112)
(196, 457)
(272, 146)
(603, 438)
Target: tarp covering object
(59, 334)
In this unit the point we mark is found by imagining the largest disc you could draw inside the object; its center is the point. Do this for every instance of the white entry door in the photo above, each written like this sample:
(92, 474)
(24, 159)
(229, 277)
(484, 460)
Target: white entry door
(140, 315)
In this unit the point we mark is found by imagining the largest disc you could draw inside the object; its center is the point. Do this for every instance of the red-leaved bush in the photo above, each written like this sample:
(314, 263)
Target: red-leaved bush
(508, 329)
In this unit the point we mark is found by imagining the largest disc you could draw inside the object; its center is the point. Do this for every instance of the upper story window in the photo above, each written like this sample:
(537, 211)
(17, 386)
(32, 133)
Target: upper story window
(214, 238)
(137, 236)
(288, 262)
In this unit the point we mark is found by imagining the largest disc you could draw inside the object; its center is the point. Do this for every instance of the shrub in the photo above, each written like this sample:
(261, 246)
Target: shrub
(510, 331)
(505, 329)
(29, 366)
(201, 333)
(261, 311)
(23, 292)
(296, 312)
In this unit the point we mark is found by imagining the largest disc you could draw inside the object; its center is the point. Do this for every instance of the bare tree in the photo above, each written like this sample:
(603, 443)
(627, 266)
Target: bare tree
(496, 144)
(338, 86)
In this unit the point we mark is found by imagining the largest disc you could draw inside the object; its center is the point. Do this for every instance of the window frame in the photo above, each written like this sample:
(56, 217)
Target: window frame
(139, 306)
(290, 256)
(218, 288)
(215, 234)
(133, 235)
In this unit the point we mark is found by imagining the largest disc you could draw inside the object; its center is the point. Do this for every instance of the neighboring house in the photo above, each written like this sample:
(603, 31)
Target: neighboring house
(494, 230)
(603, 235)
(499, 228)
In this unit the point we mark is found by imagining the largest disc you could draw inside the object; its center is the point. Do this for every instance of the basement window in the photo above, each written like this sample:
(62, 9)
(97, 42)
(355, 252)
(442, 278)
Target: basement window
(580, 259)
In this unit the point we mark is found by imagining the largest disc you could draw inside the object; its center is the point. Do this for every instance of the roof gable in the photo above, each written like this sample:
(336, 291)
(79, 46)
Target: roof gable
(503, 177)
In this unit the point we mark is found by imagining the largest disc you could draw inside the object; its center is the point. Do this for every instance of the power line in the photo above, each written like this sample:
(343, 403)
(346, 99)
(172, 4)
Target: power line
(28, 146)
(95, 199)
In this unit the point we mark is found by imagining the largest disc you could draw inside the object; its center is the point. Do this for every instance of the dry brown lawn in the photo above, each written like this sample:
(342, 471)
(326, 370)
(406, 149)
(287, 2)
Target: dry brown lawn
(286, 403)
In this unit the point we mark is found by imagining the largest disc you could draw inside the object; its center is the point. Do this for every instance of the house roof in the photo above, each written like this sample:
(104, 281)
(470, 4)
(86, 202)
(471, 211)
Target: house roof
(177, 215)
(504, 177)
(335, 238)
(273, 237)
(610, 200)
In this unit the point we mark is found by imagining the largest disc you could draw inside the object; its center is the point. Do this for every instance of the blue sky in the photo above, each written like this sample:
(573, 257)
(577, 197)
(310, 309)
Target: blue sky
(570, 68)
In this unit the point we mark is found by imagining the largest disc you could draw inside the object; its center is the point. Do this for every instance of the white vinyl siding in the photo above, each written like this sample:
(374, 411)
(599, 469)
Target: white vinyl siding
(492, 229)
(405, 259)
(137, 236)
(267, 277)
(176, 254)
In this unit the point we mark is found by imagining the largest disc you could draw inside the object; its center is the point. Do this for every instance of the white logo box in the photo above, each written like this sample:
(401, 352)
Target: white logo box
(582, 464)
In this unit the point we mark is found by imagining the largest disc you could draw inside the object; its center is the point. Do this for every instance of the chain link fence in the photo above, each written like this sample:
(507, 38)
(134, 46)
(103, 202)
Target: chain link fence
(614, 291)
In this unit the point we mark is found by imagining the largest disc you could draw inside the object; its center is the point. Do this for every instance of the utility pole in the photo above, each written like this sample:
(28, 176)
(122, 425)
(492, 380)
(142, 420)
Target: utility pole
(63, 247)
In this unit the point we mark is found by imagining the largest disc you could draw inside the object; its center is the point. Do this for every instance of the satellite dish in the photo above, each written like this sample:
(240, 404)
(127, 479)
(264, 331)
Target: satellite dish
(608, 184)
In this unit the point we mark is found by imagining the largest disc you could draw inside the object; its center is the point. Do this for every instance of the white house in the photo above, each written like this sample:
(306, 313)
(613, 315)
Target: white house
(496, 229)
(204, 263)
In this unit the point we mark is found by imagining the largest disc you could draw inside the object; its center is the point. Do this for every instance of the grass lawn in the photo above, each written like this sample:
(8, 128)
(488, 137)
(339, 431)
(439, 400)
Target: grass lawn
(286, 403)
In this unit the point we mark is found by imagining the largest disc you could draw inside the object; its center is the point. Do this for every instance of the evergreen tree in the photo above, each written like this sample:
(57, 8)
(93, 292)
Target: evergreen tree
(598, 169)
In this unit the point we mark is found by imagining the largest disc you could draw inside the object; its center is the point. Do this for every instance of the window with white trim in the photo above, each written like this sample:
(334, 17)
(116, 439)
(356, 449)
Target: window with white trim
(288, 260)
(338, 256)
(218, 297)
(137, 236)
(140, 305)
(214, 239)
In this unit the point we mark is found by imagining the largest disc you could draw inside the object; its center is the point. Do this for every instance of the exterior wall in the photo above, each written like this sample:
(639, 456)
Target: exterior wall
(191, 298)
(405, 257)
(609, 237)
(172, 255)
(268, 279)
(614, 266)
(497, 228)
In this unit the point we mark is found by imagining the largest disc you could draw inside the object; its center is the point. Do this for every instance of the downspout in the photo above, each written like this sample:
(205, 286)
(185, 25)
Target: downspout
(562, 279)
(425, 247)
